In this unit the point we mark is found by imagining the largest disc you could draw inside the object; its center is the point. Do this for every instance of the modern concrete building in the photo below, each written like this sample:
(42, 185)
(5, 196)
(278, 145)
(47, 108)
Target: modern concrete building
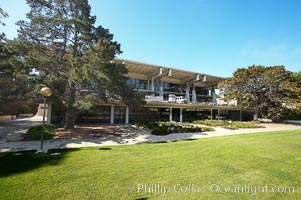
(170, 95)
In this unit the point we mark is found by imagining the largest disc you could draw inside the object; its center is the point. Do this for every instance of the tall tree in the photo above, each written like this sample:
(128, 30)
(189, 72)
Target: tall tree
(3, 14)
(15, 78)
(295, 112)
(296, 77)
(265, 91)
(73, 57)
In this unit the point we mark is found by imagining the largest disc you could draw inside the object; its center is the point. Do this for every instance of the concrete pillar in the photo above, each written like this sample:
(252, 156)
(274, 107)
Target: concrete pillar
(218, 114)
(127, 111)
(148, 85)
(193, 100)
(112, 114)
(49, 109)
(127, 114)
(211, 114)
(187, 95)
(153, 85)
(240, 115)
(170, 114)
(213, 95)
(181, 115)
(161, 89)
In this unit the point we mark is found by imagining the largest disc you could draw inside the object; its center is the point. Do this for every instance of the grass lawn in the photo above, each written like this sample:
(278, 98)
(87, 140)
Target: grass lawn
(197, 167)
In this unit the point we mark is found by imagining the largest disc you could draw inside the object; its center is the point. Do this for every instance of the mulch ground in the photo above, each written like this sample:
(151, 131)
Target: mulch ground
(78, 132)
(89, 131)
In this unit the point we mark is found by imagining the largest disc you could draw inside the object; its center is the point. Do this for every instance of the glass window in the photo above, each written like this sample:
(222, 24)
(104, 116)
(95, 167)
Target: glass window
(136, 83)
(176, 88)
(201, 91)
(165, 87)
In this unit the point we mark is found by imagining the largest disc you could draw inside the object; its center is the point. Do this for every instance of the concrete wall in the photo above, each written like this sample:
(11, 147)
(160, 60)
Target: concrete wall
(292, 121)
(7, 117)
(13, 108)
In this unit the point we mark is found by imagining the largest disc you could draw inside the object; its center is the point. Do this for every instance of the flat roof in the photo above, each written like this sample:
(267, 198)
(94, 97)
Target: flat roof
(146, 71)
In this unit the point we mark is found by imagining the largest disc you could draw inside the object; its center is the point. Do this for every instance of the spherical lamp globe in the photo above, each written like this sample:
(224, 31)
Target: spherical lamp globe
(46, 92)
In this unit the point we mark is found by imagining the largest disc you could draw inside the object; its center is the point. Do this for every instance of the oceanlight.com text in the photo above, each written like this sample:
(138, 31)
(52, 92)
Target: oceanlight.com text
(165, 189)
(251, 189)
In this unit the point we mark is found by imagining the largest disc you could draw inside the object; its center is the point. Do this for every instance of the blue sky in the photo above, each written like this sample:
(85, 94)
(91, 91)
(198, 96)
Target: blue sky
(207, 36)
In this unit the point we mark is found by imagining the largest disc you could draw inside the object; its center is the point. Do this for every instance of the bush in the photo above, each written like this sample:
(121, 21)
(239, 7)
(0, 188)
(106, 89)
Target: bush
(165, 128)
(34, 132)
(211, 122)
(149, 125)
(160, 131)
(24, 109)
(228, 125)
(290, 114)
(207, 128)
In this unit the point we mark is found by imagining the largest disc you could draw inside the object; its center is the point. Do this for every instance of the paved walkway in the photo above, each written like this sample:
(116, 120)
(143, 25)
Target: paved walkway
(133, 136)
(10, 129)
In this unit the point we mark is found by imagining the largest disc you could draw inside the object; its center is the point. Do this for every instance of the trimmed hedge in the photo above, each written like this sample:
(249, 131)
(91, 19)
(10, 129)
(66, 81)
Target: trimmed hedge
(165, 128)
(24, 109)
(227, 124)
(34, 132)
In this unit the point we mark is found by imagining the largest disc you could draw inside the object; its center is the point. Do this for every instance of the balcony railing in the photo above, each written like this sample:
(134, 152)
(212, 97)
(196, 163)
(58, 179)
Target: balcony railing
(182, 100)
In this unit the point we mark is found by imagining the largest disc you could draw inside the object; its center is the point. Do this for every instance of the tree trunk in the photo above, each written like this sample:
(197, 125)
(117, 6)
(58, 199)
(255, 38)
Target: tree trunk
(70, 118)
(71, 111)
(255, 115)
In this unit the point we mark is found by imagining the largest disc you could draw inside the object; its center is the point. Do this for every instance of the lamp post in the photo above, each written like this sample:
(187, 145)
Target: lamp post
(45, 92)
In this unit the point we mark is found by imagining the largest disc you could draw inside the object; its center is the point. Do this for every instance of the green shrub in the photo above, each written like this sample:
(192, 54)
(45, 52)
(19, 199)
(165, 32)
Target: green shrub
(24, 109)
(211, 122)
(204, 128)
(149, 125)
(227, 124)
(34, 132)
(160, 131)
(165, 128)
(238, 125)
(290, 114)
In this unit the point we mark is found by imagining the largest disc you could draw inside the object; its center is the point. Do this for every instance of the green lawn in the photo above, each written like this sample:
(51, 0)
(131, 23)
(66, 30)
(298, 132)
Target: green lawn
(263, 159)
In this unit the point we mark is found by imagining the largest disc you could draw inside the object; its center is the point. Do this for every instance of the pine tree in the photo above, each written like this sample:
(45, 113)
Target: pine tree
(265, 91)
(15, 78)
(3, 14)
(16, 81)
(73, 56)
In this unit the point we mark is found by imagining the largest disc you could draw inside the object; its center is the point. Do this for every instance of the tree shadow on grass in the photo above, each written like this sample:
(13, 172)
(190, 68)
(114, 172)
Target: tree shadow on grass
(105, 148)
(24, 161)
